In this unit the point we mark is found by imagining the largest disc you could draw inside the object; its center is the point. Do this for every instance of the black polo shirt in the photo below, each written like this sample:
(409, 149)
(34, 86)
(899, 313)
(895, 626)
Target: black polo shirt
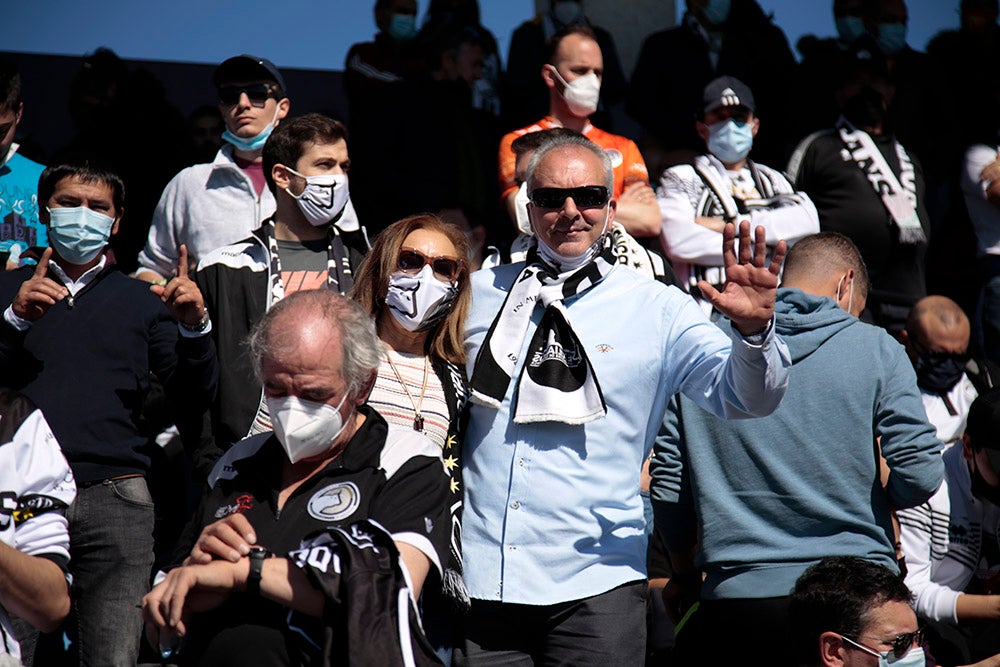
(390, 474)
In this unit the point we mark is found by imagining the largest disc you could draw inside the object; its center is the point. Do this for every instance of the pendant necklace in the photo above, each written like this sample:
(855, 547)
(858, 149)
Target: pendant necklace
(418, 418)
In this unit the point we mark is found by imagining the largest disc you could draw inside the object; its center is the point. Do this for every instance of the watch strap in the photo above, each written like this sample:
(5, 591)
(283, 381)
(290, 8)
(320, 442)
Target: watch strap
(257, 556)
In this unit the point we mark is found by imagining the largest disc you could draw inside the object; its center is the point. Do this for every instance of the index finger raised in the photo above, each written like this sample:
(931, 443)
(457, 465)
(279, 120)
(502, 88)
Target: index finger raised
(43, 264)
(182, 261)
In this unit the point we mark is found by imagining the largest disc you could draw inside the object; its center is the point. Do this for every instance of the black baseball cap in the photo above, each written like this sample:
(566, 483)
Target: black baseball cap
(983, 426)
(726, 91)
(247, 68)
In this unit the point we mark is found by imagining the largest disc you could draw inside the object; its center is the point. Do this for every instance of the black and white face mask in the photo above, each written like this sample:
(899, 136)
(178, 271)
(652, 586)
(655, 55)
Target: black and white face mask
(419, 301)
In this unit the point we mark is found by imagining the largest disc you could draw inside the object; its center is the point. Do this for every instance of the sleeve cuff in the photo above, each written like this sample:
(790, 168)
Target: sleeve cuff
(758, 339)
(13, 320)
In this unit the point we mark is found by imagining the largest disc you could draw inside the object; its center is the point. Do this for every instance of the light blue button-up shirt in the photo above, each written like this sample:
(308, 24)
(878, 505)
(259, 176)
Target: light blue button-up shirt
(552, 511)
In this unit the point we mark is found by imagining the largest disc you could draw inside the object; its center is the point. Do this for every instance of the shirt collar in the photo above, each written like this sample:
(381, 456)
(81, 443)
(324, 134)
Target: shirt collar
(84, 280)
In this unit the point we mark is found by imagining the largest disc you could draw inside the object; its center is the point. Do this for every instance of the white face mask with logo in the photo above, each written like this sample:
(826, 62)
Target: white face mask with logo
(420, 301)
(323, 198)
(582, 94)
(305, 428)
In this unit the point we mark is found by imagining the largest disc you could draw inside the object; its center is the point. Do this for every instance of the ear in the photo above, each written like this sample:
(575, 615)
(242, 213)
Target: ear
(967, 451)
(17, 116)
(284, 105)
(612, 209)
(362, 396)
(549, 77)
(756, 127)
(118, 221)
(281, 176)
(831, 649)
(702, 130)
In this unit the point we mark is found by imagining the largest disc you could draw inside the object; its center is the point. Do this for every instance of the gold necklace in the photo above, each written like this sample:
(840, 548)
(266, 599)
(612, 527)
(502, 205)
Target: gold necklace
(418, 418)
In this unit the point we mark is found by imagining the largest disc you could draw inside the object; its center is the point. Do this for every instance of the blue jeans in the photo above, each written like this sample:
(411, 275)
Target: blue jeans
(111, 554)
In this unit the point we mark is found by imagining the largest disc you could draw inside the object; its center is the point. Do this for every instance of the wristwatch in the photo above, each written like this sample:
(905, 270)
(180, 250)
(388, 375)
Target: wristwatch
(257, 556)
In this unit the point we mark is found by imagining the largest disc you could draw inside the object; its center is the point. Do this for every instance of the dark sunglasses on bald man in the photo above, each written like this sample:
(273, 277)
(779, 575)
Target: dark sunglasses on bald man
(257, 93)
(587, 196)
(412, 261)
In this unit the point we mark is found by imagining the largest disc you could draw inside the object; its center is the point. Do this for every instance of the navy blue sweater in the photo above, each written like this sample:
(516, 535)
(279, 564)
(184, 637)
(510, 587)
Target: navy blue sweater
(88, 365)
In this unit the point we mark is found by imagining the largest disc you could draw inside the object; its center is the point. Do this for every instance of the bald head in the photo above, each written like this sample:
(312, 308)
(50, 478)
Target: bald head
(322, 332)
(828, 264)
(937, 324)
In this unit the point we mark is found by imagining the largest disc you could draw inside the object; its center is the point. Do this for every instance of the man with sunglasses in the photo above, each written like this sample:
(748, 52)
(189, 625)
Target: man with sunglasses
(848, 611)
(697, 200)
(206, 206)
(951, 543)
(308, 243)
(572, 361)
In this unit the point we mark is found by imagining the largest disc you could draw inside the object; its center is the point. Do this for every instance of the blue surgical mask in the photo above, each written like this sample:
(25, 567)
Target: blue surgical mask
(403, 27)
(254, 143)
(717, 11)
(891, 37)
(913, 658)
(850, 28)
(730, 141)
(78, 234)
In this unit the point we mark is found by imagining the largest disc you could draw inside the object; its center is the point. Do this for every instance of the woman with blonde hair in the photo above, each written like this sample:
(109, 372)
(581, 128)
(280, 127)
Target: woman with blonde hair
(415, 284)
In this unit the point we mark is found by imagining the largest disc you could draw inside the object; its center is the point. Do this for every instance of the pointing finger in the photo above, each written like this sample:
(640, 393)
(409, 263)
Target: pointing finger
(182, 262)
(43, 264)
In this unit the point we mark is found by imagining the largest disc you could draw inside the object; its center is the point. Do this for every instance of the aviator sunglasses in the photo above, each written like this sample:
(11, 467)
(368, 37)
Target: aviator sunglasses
(412, 261)
(587, 196)
(257, 93)
(901, 645)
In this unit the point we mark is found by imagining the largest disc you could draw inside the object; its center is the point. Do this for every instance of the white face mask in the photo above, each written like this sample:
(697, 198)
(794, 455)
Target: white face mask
(582, 94)
(562, 263)
(323, 198)
(305, 428)
(419, 301)
(521, 209)
(850, 298)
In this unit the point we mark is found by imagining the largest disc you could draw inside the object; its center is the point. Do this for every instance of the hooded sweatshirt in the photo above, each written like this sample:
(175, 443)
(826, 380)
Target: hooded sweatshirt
(776, 494)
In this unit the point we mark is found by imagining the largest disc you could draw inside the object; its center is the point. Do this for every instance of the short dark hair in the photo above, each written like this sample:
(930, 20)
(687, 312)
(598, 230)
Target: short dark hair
(288, 140)
(88, 171)
(552, 45)
(10, 87)
(822, 252)
(838, 595)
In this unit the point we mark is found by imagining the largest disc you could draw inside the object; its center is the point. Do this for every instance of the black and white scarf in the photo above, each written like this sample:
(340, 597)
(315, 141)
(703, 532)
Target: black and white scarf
(557, 382)
(339, 279)
(898, 195)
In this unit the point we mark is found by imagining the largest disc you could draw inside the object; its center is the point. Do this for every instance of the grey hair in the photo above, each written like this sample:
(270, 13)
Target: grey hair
(361, 349)
(561, 141)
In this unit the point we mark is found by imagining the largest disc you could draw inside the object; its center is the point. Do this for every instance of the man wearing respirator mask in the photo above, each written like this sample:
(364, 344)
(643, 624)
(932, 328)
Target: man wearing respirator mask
(573, 73)
(307, 244)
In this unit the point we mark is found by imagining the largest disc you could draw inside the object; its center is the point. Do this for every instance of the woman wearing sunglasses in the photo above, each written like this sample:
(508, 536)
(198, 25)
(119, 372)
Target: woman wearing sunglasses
(415, 284)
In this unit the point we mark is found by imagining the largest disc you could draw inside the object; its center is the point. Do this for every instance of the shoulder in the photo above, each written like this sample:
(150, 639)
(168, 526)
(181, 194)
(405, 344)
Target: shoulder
(403, 445)
(15, 408)
(25, 166)
(246, 254)
(244, 449)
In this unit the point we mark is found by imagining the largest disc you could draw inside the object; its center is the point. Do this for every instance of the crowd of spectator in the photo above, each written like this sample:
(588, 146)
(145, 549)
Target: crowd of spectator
(467, 377)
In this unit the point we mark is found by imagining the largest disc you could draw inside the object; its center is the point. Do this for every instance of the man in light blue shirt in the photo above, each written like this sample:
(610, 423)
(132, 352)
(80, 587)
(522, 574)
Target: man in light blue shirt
(553, 531)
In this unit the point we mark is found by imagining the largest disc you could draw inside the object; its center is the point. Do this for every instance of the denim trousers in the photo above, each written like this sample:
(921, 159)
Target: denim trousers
(111, 554)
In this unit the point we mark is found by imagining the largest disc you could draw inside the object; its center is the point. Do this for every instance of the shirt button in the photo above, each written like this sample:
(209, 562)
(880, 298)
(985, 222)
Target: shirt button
(512, 548)
(520, 462)
(515, 505)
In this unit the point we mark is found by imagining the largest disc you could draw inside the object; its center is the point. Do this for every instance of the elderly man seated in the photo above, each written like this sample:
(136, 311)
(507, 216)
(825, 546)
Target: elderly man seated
(355, 510)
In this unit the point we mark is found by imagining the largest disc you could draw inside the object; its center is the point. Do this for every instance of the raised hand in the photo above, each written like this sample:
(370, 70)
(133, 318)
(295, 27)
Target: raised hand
(181, 294)
(39, 293)
(748, 295)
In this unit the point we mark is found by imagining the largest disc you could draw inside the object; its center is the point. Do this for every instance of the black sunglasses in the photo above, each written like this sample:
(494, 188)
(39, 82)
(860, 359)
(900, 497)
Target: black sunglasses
(412, 261)
(901, 644)
(257, 93)
(587, 196)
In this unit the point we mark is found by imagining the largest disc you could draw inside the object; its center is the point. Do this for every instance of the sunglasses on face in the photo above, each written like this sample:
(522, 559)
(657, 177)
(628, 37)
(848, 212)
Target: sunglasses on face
(257, 94)
(412, 261)
(587, 196)
(901, 645)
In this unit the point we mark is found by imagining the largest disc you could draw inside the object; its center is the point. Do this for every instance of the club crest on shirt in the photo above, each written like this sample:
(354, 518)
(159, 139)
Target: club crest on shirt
(335, 502)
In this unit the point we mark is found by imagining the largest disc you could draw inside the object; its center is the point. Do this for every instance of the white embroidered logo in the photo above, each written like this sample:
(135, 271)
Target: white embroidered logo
(335, 502)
